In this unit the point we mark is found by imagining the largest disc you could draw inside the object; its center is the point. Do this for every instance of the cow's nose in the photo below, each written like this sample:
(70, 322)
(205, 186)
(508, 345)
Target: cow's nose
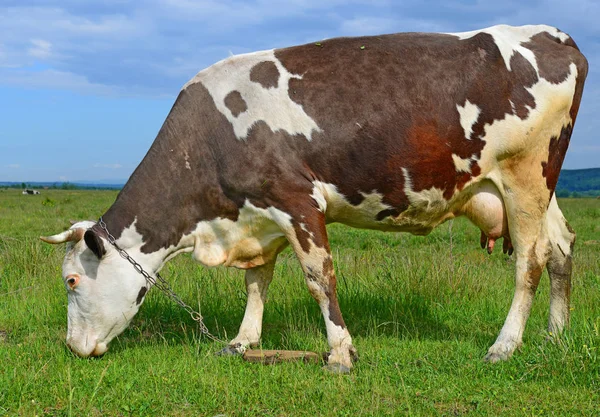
(99, 350)
(87, 349)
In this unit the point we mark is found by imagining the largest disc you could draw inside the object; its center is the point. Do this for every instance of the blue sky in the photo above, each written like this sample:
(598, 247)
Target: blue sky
(85, 85)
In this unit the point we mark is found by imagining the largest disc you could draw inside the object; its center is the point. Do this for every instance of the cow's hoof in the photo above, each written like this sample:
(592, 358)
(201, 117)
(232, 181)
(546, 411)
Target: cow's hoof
(231, 350)
(337, 368)
(495, 357)
(501, 351)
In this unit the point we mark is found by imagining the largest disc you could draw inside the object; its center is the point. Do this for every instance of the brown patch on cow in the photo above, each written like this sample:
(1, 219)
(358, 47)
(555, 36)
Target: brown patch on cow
(557, 150)
(266, 74)
(140, 295)
(521, 98)
(235, 103)
(387, 213)
(328, 266)
(553, 68)
(335, 314)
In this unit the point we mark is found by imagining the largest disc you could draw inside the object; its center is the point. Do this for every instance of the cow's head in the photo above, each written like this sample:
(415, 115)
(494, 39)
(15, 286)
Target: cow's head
(103, 289)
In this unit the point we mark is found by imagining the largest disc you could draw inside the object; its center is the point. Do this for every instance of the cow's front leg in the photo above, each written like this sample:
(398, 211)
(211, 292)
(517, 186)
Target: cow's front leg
(308, 238)
(257, 283)
(321, 282)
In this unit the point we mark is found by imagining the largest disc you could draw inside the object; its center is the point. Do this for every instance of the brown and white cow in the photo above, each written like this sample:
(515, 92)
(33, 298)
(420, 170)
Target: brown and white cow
(395, 132)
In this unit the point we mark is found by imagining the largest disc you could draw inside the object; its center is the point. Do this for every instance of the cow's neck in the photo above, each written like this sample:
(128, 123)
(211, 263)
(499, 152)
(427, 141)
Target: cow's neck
(174, 187)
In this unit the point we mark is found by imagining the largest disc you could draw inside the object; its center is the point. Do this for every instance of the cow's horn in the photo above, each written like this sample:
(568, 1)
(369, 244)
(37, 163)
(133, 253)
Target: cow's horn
(66, 236)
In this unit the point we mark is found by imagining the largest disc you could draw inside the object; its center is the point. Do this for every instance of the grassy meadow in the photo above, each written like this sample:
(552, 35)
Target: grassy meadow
(422, 311)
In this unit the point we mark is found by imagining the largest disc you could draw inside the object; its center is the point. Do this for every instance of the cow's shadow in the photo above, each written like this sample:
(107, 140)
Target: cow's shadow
(406, 317)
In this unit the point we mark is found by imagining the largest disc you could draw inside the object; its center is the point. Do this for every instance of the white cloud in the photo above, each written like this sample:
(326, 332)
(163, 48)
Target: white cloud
(13, 166)
(53, 79)
(109, 166)
(41, 49)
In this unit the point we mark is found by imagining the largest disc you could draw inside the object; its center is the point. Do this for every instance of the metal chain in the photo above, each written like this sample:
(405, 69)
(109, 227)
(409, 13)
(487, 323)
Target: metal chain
(160, 283)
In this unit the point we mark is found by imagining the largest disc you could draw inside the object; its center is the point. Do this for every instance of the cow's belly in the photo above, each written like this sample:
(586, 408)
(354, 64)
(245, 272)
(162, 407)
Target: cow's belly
(426, 210)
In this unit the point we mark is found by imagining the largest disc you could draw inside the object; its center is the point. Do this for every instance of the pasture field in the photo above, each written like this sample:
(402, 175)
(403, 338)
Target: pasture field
(422, 311)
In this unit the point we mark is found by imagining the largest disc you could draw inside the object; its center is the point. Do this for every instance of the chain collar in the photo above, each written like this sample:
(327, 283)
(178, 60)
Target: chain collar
(160, 283)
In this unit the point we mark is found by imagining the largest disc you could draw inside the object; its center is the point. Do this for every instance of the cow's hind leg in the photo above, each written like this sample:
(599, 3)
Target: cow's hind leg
(562, 239)
(526, 210)
(308, 236)
(257, 283)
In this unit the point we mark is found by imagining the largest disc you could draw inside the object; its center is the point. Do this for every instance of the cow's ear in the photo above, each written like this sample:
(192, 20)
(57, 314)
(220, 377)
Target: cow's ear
(94, 242)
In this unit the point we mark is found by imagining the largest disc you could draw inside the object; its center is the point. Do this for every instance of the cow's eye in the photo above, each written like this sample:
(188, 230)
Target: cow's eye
(72, 281)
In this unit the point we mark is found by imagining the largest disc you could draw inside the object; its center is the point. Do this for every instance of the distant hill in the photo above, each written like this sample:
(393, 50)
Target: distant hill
(579, 183)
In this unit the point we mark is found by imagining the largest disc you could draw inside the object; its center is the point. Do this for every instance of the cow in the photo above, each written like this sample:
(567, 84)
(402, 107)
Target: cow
(398, 132)
(30, 192)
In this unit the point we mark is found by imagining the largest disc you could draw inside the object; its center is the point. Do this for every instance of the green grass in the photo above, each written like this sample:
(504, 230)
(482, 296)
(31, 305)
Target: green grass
(422, 311)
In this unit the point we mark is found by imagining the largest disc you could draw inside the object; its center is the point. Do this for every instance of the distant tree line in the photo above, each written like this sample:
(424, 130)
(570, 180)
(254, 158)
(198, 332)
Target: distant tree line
(562, 193)
(57, 186)
(579, 183)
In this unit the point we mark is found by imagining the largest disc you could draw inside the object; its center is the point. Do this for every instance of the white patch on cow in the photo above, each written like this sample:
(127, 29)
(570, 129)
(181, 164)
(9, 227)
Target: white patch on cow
(309, 232)
(130, 237)
(249, 241)
(426, 201)
(257, 283)
(461, 165)
(512, 135)
(469, 113)
(273, 105)
(187, 160)
(338, 209)
(509, 39)
(318, 195)
(557, 230)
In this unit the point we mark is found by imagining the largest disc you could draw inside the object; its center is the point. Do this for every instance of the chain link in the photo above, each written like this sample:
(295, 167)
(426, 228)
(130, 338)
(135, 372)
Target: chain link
(160, 283)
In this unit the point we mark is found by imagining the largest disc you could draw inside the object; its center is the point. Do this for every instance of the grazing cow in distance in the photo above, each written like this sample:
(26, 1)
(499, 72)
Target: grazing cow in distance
(396, 132)
(30, 192)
